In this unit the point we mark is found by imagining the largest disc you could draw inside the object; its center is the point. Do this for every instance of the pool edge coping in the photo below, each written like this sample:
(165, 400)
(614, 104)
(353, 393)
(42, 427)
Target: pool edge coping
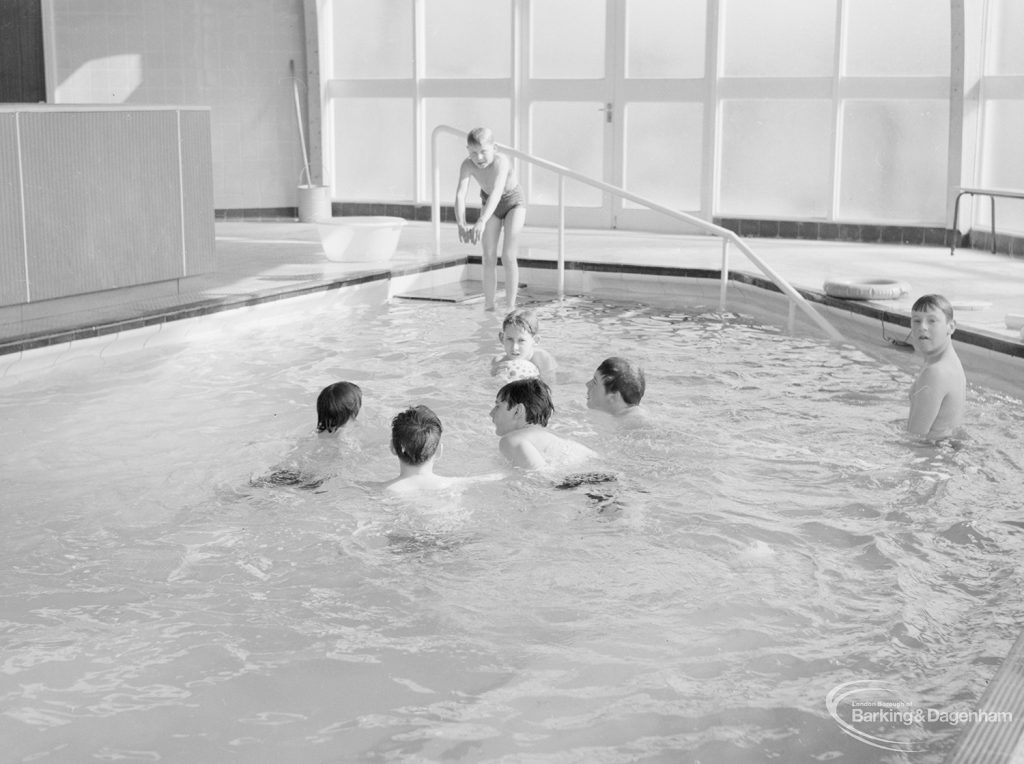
(203, 306)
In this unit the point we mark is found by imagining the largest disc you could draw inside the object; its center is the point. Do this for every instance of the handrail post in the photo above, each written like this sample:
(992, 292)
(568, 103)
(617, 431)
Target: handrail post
(725, 275)
(435, 200)
(561, 237)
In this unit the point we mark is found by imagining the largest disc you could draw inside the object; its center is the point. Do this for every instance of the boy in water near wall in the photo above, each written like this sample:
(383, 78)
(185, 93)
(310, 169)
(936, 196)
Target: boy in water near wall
(503, 208)
(938, 395)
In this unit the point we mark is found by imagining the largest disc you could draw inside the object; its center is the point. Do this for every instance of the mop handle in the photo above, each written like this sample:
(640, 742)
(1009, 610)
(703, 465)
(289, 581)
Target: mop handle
(298, 117)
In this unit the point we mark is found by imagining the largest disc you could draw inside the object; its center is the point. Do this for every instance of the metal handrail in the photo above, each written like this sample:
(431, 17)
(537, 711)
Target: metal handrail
(727, 236)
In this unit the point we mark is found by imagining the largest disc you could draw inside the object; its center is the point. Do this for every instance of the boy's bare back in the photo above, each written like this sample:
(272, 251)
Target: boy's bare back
(938, 398)
(534, 447)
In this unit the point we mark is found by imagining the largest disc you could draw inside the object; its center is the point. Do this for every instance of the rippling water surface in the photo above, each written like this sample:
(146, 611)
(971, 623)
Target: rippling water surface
(773, 535)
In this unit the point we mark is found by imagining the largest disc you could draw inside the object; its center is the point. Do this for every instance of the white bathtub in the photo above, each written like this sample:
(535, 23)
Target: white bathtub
(360, 239)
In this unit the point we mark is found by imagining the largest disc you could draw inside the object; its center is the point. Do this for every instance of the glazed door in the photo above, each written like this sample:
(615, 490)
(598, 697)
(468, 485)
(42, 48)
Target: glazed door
(615, 89)
(568, 106)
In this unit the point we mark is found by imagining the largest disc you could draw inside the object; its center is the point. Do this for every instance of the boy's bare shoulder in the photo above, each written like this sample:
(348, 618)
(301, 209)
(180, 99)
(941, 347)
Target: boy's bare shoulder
(947, 370)
(544, 354)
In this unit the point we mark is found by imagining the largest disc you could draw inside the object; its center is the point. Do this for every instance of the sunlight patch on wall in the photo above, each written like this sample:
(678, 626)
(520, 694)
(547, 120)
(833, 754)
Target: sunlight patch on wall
(112, 79)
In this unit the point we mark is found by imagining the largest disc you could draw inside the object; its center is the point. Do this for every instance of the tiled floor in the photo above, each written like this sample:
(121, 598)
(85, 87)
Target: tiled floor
(263, 260)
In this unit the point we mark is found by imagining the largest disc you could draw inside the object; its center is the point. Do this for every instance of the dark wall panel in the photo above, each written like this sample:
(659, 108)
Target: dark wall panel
(22, 68)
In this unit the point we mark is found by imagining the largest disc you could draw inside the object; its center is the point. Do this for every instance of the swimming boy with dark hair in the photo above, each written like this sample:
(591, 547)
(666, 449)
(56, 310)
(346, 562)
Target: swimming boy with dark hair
(617, 388)
(938, 394)
(336, 405)
(521, 413)
(416, 441)
(503, 210)
(311, 463)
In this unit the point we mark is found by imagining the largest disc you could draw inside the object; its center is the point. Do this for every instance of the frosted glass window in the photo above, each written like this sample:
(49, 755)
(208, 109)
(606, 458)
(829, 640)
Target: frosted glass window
(567, 39)
(372, 40)
(572, 135)
(467, 39)
(1006, 20)
(663, 153)
(781, 38)
(464, 114)
(665, 38)
(894, 161)
(1002, 163)
(373, 149)
(907, 38)
(776, 158)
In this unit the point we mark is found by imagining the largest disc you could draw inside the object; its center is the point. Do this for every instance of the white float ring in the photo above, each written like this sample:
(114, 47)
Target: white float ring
(868, 289)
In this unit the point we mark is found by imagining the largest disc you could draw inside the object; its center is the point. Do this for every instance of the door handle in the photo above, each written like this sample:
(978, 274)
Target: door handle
(608, 110)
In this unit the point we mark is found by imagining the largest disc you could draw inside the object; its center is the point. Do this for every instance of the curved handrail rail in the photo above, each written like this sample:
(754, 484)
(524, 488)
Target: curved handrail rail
(727, 236)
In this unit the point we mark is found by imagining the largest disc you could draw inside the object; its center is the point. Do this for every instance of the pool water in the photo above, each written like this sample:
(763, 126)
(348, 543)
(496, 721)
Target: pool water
(772, 535)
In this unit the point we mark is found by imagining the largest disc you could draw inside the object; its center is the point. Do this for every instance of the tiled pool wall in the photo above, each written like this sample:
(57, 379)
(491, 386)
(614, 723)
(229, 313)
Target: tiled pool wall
(990, 361)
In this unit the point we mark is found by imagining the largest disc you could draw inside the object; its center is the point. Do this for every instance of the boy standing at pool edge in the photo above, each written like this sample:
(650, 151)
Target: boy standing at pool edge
(938, 394)
(503, 208)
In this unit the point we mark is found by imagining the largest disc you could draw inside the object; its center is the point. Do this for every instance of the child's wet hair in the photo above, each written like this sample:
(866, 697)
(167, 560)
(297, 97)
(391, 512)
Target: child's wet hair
(623, 377)
(523, 318)
(534, 395)
(336, 405)
(479, 136)
(936, 301)
(415, 434)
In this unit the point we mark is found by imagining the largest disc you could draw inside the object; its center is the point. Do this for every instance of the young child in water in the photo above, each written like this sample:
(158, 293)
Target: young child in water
(519, 336)
(336, 406)
(938, 394)
(503, 210)
(310, 464)
(521, 413)
(416, 441)
(617, 388)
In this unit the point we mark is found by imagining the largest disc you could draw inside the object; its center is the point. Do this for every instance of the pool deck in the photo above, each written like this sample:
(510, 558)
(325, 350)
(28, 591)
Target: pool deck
(265, 261)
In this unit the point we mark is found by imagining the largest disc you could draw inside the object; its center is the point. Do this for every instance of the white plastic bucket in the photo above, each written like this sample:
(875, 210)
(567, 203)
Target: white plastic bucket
(360, 238)
(314, 203)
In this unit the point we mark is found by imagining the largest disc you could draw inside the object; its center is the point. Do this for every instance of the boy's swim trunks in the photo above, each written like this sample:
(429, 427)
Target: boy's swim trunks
(509, 201)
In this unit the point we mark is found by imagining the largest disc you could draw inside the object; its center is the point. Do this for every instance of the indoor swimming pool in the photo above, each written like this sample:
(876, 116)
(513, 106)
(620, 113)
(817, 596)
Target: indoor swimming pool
(772, 535)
